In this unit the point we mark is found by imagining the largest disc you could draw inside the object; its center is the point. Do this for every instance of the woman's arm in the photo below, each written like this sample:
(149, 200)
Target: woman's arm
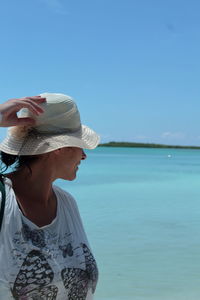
(9, 109)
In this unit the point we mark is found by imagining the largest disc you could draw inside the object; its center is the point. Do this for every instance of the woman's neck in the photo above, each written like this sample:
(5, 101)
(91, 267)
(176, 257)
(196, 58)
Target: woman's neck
(35, 185)
(35, 195)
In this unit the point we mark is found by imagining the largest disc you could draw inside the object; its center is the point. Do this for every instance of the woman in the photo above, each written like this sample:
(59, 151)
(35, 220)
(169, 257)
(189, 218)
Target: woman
(44, 252)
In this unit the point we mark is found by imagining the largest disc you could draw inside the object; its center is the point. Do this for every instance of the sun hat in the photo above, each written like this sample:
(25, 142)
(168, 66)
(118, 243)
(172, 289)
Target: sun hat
(59, 126)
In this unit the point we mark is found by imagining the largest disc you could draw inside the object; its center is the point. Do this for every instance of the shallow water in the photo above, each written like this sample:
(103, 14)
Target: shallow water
(141, 211)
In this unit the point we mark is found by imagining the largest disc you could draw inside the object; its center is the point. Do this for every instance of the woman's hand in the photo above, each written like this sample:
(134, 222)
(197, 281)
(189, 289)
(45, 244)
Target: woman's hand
(9, 109)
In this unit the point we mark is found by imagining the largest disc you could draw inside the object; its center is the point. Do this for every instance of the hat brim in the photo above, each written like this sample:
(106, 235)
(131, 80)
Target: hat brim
(84, 138)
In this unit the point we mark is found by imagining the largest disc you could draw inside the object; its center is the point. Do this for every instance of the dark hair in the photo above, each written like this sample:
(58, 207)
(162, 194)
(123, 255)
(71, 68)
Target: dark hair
(16, 161)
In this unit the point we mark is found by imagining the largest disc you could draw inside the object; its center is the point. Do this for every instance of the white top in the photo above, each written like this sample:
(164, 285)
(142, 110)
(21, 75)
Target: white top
(53, 262)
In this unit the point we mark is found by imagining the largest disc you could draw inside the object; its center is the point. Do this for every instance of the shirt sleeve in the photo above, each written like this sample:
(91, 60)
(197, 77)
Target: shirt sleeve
(74, 211)
(5, 292)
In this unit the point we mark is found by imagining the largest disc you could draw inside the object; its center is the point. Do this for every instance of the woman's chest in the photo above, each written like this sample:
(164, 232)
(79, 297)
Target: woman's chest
(46, 264)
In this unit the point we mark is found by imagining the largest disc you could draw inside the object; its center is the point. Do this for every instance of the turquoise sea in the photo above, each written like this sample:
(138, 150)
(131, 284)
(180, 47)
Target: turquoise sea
(141, 211)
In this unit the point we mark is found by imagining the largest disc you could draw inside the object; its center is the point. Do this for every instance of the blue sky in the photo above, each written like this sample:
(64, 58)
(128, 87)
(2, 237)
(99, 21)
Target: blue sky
(132, 66)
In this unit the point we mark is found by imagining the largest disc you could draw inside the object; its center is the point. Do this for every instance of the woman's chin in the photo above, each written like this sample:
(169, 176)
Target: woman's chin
(69, 177)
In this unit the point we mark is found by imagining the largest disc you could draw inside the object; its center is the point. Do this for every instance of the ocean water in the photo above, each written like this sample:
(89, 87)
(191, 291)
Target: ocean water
(141, 210)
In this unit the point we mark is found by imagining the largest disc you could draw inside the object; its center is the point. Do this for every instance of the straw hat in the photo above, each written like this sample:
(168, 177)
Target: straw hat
(59, 126)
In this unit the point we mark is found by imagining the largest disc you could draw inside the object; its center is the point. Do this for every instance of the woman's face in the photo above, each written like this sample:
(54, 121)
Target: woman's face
(67, 161)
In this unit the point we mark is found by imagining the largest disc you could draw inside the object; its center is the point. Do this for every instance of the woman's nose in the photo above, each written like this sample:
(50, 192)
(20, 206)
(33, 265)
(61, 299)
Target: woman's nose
(84, 156)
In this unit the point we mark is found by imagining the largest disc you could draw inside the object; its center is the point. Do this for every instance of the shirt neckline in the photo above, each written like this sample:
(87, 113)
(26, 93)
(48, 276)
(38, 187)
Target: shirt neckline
(35, 226)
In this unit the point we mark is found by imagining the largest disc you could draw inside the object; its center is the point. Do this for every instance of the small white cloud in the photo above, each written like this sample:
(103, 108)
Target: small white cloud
(173, 135)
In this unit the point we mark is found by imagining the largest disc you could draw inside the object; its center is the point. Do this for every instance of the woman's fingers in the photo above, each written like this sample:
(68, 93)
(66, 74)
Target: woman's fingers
(24, 122)
(32, 105)
(37, 99)
(34, 102)
(9, 110)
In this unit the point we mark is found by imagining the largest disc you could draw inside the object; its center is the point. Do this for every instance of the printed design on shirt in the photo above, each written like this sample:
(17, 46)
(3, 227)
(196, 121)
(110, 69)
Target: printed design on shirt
(78, 281)
(37, 280)
(34, 279)
(36, 236)
(91, 267)
(67, 250)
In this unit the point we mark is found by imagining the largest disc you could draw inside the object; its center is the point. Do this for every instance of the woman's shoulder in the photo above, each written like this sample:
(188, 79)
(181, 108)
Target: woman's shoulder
(61, 192)
(64, 195)
(68, 203)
